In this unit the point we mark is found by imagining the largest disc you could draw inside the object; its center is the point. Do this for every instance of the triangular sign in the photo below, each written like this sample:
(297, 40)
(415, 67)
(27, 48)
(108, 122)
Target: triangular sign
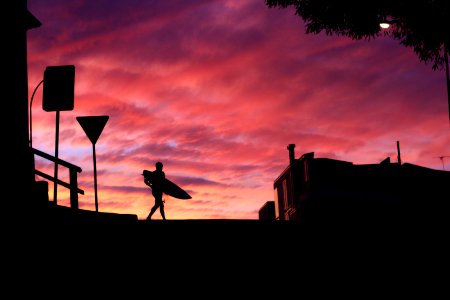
(93, 126)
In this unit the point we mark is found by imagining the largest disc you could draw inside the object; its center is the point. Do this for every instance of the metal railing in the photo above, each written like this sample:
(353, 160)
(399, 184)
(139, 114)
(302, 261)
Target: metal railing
(73, 176)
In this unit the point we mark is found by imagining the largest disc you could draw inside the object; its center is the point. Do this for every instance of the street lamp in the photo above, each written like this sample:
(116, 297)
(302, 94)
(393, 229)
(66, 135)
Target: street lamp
(384, 24)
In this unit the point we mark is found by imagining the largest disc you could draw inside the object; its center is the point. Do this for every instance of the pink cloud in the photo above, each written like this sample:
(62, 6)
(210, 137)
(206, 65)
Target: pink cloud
(217, 90)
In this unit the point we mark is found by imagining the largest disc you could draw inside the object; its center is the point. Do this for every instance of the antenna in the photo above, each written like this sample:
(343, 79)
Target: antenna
(442, 160)
(398, 154)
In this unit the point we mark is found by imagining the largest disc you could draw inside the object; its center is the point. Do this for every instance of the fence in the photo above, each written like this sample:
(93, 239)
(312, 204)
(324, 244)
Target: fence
(73, 176)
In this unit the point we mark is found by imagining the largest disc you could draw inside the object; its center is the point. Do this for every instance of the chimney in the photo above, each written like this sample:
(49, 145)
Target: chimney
(293, 182)
(291, 154)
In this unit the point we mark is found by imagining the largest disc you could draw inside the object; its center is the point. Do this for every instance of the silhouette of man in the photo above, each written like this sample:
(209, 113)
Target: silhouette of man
(157, 190)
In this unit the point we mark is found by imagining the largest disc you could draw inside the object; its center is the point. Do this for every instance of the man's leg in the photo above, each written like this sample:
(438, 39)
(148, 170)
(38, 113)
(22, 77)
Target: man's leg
(163, 214)
(152, 211)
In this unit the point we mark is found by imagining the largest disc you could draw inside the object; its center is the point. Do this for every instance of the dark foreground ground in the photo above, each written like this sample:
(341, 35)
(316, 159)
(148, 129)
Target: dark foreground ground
(224, 258)
(276, 239)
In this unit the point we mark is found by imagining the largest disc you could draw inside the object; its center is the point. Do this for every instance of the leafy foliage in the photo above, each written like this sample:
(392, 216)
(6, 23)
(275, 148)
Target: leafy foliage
(420, 24)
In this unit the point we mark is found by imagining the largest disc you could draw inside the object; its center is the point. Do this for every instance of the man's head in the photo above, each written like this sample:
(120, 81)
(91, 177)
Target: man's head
(159, 165)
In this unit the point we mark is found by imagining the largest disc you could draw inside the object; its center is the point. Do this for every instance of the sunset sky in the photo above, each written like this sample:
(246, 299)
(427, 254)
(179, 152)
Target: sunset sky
(216, 90)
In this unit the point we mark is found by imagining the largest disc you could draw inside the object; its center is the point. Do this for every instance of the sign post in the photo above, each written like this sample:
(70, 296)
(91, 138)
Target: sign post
(58, 95)
(93, 127)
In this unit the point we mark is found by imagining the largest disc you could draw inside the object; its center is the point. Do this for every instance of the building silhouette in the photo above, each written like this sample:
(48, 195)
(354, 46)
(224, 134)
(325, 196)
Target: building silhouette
(19, 159)
(267, 211)
(323, 190)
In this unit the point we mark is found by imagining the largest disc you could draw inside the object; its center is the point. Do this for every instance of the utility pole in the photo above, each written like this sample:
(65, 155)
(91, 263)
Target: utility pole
(398, 154)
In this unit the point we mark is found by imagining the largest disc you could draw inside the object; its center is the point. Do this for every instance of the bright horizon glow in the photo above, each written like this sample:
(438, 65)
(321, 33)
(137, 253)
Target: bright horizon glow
(216, 90)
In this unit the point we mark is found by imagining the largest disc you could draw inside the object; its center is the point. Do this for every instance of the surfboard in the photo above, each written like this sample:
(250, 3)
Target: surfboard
(170, 188)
